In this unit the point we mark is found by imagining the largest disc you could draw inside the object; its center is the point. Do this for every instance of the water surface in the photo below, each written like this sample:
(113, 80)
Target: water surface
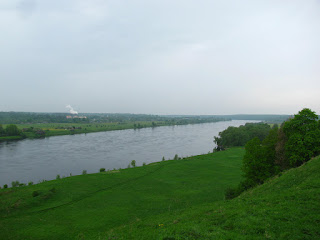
(38, 159)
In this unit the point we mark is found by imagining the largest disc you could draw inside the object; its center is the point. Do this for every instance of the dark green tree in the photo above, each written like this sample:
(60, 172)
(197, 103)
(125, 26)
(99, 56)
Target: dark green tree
(2, 132)
(280, 158)
(12, 130)
(257, 164)
(303, 137)
(269, 146)
(239, 136)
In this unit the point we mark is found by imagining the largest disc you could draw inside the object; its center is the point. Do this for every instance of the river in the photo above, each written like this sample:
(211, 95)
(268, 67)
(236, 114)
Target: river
(42, 159)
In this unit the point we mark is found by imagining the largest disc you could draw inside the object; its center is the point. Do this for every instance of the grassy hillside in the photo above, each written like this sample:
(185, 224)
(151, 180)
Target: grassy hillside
(286, 207)
(89, 206)
(180, 199)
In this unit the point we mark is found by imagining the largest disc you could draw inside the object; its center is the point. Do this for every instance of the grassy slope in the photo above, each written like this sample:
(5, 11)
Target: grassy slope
(169, 200)
(90, 206)
(286, 207)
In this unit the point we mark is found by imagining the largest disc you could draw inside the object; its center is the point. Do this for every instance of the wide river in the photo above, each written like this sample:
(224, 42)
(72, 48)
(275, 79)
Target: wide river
(42, 159)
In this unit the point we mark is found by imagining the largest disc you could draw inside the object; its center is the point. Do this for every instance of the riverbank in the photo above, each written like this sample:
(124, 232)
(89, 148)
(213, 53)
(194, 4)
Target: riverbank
(176, 199)
(40, 130)
(11, 138)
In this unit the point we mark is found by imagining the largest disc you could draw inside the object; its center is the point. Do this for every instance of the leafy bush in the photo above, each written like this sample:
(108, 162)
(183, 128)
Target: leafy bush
(5, 186)
(12, 130)
(58, 177)
(30, 183)
(84, 172)
(230, 193)
(133, 163)
(35, 193)
(176, 157)
(15, 184)
(102, 170)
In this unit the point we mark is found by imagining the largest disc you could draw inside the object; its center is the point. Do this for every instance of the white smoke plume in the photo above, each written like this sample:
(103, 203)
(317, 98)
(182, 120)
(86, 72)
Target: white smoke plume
(71, 110)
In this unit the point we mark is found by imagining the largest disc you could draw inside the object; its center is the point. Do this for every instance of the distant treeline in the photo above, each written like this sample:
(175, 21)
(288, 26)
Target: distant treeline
(270, 118)
(293, 144)
(30, 117)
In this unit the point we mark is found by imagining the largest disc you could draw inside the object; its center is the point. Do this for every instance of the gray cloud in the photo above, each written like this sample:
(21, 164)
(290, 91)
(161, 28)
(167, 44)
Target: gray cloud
(163, 57)
(26, 8)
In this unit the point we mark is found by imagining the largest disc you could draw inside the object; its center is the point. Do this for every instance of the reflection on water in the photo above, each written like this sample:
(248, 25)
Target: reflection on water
(38, 159)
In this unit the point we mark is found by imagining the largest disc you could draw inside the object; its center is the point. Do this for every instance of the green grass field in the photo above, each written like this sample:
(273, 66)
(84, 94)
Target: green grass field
(285, 207)
(91, 205)
(182, 199)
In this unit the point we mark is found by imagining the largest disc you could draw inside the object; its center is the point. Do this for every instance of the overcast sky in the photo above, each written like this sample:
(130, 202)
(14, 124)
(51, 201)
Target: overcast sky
(160, 57)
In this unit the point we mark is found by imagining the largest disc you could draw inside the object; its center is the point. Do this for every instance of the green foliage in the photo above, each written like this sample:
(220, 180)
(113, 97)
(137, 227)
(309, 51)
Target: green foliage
(12, 130)
(133, 163)
(84, 172)
(259, 160)
(176, 157)
(102, 170)
(2, 131)
(58, 177)
(297, 141)
(35, 193)
(231, 193)
(280, 157)
(303, 137)
(5, 186)
(15, 183)
(239, 136)
(255, 165)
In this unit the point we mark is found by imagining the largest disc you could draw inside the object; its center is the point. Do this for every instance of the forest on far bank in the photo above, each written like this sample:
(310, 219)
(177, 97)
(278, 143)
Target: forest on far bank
(37, 117)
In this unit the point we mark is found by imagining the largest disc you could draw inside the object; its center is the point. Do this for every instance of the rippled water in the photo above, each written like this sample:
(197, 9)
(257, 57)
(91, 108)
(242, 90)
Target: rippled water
(38, 159)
